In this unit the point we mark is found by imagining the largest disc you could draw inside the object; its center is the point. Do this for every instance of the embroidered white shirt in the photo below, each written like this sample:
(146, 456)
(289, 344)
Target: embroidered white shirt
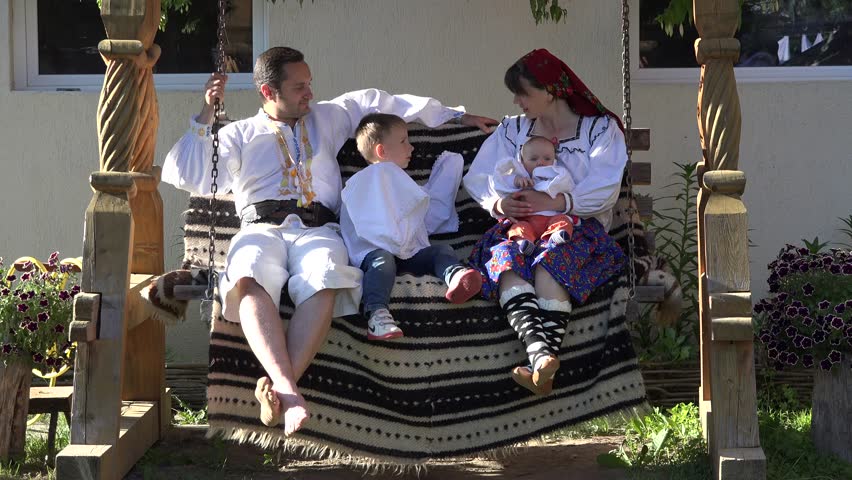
(594, 159)
(383, 207)
(250, 156)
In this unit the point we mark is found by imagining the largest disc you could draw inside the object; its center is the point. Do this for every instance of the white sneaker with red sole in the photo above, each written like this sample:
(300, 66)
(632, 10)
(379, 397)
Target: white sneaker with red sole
(382, 326)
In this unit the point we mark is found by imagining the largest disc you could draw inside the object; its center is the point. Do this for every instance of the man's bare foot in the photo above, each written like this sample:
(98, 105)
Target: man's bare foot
(270, 407)
(295, 412)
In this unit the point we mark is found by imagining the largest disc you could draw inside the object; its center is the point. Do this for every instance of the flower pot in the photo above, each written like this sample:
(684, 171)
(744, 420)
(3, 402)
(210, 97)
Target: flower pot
(831, 420)
(15, 379)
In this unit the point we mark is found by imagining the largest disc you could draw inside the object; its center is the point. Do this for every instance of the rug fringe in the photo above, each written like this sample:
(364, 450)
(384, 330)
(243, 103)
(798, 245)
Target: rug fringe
(372, 464)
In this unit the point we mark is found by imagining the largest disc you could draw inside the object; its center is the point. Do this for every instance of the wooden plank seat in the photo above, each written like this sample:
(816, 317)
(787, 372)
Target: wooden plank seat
(52, 401)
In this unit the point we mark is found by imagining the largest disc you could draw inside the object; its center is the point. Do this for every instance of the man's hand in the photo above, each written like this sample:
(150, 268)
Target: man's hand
(524, 182)
(483, 123)
(213, 89)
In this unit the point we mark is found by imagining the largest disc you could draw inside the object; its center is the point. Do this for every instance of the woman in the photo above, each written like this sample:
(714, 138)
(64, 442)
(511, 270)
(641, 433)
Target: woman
(536, 291)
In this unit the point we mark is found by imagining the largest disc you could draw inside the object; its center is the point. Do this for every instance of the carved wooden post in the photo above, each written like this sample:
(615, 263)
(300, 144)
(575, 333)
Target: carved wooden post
(727, 348)
(126, 123)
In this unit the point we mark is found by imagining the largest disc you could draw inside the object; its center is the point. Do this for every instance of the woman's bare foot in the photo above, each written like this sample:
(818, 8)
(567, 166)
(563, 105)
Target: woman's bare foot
(270, 407)
(545, 370)
(523, 377)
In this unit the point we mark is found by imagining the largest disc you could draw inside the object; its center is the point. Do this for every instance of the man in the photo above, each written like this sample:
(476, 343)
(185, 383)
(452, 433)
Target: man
(282, 168)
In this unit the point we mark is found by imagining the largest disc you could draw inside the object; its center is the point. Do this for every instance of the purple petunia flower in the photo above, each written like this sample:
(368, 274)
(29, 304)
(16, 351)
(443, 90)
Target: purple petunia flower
(758, 308)
(44, 303)
(5, 292)
(797, 341)
(839, 308)
(783, 296)
(835, 356)
(807, 343)
(32, 326)
(848, 303)
(819, 336)
(23, 307)
(808, 321)
(848, 332)
(835, 269)
(26, 276)
(11, 278)
(807, 360)
(804, 311)
(804, 268)
(75, 289)
(53, 259)
(791, 331)
(38, 358)
(43, 317)
(847, 269)
(808, 289)
(64, 295)
(825, 364)
(796, 304)
(772, 353)
(837, 323)
(64, 268)
(7, 348)
(792, 311)
(764, 338)
(823, 305)
(792, 359)
(776, 315)
(802, 251)
(782, 357)
(49, 361)
(59, 328)
(783, 271)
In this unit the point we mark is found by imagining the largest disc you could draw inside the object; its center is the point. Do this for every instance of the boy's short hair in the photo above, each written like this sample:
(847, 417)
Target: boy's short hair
(372, 130)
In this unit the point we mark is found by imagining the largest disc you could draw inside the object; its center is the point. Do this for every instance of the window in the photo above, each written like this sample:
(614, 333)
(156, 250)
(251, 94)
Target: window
(779, 41)
(54, 53)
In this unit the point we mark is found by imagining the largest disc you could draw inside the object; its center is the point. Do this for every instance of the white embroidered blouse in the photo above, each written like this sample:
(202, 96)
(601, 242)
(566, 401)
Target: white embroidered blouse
(594, 158)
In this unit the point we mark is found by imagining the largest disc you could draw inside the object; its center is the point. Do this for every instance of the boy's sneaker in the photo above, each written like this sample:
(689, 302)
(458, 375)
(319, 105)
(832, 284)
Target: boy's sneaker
(382, 326)
(464, 285)
(526, 247)
(559, 237)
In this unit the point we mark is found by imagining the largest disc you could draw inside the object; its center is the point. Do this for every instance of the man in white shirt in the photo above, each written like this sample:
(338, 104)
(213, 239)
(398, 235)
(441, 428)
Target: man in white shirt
(282, 168)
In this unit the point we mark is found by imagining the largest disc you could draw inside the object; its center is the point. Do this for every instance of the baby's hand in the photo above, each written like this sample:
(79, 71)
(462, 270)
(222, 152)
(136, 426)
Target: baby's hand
(523, 182)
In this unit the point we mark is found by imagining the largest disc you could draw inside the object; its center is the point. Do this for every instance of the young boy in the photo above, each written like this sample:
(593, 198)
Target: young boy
(386, 220)
(536, 169)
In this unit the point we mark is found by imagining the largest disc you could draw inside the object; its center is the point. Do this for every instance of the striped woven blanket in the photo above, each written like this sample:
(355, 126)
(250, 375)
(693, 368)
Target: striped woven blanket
(444, 389)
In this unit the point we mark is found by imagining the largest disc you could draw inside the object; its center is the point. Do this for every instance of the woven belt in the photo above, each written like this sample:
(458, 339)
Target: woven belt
(275, 211)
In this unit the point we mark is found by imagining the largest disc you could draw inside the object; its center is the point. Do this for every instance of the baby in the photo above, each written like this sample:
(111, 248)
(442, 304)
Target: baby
(536, 169)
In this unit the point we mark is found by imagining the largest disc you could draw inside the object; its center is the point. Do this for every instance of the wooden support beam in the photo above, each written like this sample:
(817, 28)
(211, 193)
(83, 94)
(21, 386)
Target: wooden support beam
(640, 139)
(139, 431)
(732, 329)
(742, 463)
(645, 206)
(640, 173)
(87, 310)
(736, 304)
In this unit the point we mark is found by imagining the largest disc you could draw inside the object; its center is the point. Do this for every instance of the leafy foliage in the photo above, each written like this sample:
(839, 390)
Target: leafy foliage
(674, 228)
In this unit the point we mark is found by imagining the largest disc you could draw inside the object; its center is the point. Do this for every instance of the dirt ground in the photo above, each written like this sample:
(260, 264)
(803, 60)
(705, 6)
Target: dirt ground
(185, 454)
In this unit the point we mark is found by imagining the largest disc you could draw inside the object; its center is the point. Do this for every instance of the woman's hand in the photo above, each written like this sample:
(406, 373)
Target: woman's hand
(485, 124)
(214, 89)
(540, 201)
(513, 207)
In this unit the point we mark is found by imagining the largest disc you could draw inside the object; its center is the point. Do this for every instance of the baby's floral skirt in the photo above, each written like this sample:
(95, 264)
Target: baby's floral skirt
(581, 265)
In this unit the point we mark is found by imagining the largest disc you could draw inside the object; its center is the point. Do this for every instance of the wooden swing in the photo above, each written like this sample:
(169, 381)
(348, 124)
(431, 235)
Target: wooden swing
(121, 406)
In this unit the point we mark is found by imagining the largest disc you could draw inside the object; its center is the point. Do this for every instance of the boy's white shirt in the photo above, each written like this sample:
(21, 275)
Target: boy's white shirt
(383, 207)
(552, 179)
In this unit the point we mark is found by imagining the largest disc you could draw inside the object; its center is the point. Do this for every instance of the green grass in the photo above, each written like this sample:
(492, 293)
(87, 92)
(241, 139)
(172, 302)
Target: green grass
(34, 464)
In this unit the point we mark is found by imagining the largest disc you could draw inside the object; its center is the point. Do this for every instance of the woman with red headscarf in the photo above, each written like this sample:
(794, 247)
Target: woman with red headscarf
(536, 290)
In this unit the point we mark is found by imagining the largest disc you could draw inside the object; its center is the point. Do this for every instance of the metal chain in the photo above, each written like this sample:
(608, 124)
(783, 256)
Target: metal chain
(218, 107)
(628, 121)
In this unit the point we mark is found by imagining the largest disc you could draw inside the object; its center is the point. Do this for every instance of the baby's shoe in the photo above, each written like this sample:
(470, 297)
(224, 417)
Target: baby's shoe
(382, 326)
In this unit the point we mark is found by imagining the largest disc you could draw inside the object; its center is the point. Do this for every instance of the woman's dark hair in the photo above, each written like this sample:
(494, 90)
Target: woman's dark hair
(269, 67)
(513, 76)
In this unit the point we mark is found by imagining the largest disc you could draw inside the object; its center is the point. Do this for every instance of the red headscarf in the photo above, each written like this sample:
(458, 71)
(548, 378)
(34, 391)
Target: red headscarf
(560, 81)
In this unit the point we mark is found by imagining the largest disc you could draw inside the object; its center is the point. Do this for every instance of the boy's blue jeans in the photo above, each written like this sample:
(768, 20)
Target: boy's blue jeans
(380, 268)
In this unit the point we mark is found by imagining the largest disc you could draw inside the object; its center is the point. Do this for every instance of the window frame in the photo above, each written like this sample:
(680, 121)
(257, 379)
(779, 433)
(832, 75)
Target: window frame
(743, 75)
(24, 22)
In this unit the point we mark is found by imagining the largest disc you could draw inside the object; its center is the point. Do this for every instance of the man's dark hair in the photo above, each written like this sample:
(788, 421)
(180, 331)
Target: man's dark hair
(269, 67)
(513, 76)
